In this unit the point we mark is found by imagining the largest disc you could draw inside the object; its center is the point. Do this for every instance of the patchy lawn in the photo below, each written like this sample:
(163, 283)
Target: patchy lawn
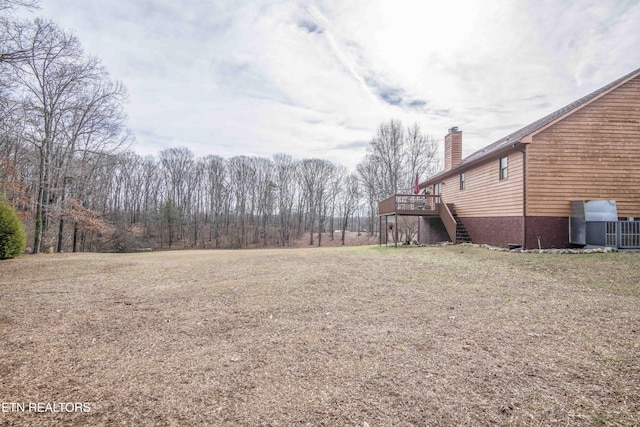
(325, 336)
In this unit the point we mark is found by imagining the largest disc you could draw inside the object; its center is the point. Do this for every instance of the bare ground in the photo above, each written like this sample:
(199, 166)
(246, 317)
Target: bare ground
(360, 336)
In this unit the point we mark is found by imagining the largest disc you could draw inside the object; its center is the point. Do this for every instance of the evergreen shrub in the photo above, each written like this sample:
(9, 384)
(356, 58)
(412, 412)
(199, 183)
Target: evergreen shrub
(12, 236)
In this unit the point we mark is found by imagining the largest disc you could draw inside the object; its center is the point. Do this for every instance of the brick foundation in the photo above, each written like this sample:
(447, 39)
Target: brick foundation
(553, 232)
(495, 231)
(502, 231)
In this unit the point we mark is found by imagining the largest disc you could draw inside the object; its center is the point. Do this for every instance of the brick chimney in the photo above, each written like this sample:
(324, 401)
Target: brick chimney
(452, 148)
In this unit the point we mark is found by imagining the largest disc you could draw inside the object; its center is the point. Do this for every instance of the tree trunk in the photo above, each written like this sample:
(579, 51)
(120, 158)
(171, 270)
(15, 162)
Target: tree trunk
(75, 237)
(40, 204)
(344, 227)
(195, 229)
(60, 235)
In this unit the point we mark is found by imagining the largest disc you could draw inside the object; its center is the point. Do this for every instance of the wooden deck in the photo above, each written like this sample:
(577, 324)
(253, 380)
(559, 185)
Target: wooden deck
(424, 205)
(410, 204)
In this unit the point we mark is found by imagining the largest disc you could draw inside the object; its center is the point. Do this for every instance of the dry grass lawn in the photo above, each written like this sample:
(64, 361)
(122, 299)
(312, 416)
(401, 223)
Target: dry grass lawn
(358, 336)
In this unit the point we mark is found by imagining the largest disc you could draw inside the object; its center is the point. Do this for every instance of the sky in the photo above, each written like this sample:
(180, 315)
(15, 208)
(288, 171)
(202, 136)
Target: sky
(315, 79)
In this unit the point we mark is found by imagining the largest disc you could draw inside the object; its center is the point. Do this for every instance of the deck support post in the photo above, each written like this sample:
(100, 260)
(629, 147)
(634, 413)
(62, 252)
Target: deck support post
(396, 231)
(386, 230)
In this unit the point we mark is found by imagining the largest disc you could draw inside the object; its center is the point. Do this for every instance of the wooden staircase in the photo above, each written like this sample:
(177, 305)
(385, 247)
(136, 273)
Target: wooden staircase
(461, 233)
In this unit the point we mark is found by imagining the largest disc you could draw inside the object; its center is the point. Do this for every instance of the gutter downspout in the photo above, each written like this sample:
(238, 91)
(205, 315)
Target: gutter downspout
(524, 192)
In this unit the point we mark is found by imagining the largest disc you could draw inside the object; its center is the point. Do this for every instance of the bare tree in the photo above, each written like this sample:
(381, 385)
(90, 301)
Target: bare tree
(94, 123)
(421, 153)
(49, 81)
(399, 154)
(178, 166)
(387, 150)
(334, 192)
(217, 193)
(314, 175)
(263, 197)
(16, 4)
(10, 51)
(89, 194)
(150, 187)
(198, 201)
(371, 184)
(349, 201)
(241, 177)
(286, 169)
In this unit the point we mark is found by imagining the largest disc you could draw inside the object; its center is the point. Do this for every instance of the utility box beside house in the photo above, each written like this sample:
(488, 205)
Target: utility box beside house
(595, 222)
(587, 224)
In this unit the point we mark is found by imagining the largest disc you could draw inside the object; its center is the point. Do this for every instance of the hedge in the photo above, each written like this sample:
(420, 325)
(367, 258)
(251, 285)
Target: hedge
(12, 236)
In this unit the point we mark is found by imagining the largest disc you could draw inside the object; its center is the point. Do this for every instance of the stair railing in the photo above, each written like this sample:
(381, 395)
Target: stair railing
(448, 220)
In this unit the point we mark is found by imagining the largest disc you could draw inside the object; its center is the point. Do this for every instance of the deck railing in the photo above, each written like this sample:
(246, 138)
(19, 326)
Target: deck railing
(410, 204)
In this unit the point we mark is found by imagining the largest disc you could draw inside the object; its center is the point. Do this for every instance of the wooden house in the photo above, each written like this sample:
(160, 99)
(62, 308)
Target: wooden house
(519, 189)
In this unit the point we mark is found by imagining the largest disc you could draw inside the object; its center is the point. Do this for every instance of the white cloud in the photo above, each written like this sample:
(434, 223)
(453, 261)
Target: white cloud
(315, 79)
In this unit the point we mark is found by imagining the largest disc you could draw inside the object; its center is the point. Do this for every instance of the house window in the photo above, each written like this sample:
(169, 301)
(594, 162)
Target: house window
(462, 180)
(504, 168)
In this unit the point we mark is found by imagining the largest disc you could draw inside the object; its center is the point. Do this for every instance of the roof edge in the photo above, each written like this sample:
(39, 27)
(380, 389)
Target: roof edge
(464, 166)
(593, 96)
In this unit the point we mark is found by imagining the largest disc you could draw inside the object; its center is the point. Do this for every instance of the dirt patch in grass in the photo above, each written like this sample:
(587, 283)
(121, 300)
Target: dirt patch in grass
(324, 336)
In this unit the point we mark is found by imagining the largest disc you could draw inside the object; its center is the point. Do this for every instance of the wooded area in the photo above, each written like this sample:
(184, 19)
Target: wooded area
(68, 168)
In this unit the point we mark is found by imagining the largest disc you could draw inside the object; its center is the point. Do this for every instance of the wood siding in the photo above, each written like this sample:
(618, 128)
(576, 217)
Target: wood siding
(485, 195)
(594, 153)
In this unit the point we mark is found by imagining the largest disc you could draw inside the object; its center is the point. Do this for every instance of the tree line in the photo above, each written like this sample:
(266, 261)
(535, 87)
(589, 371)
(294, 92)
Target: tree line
(66, 166)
